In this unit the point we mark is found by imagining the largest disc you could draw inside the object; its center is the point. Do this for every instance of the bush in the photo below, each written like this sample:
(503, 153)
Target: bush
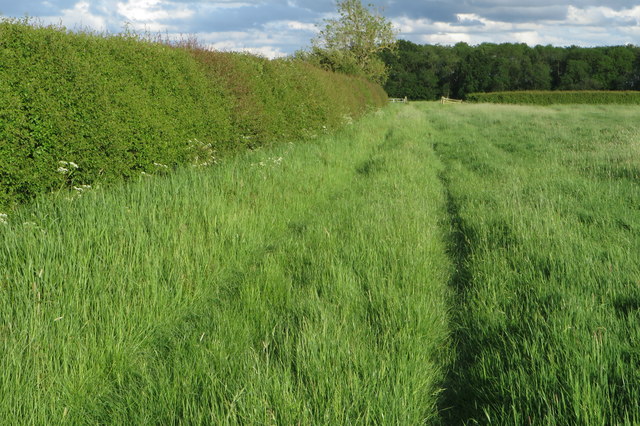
(118, 106)
(557, 97)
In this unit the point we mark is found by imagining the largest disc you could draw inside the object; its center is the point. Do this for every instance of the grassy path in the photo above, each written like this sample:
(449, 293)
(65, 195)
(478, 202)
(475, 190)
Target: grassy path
(300, 285)
(429, 264)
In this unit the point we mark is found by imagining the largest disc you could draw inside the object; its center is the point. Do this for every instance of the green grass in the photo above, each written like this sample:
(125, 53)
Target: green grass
(301, 284)
(545, 203)
(453, 264)
(558, 97)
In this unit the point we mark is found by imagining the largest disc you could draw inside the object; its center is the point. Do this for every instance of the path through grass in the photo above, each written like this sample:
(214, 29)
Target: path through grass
(546, 203)
(300, 285)
(429, 264)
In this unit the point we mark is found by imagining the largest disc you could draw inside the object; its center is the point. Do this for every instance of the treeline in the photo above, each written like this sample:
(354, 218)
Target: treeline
(430, 71)
(78, 109)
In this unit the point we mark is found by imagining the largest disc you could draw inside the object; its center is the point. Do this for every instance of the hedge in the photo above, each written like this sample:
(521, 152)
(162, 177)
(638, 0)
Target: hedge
(80, 108)
(558, 97)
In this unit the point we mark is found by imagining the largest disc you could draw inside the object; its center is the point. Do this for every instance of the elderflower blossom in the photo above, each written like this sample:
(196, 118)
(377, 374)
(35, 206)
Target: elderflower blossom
(66, 166)
(82, 188)
(271, 160)
(69, 164)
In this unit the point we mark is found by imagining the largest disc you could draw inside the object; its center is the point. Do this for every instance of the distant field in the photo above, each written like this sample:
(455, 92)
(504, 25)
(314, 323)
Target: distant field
(429, 264)
(558, 97)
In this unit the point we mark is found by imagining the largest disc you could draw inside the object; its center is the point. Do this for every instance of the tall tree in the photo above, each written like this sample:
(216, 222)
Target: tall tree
(351, 42)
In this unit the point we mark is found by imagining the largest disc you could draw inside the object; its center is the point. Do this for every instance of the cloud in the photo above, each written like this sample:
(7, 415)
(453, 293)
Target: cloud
(277, 27)
(152, 10)
(79, 16)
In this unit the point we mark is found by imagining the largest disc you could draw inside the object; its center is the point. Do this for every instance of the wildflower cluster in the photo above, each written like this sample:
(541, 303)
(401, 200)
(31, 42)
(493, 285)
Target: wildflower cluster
(271, 160)
(203, 153)
(4, 219)
(33, 226)
(82, 188)
(67, 167)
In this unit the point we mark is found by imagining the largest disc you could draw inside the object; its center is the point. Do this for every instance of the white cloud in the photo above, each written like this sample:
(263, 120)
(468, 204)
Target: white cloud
(80, 16)
(272, 27)
(589, 26)
(603, 16)
(296, 25)
(152, 11)
(255, 42)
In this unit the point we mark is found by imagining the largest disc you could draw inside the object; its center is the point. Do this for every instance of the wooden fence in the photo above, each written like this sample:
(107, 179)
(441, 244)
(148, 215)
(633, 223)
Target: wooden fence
(445, 100)
(399, 100)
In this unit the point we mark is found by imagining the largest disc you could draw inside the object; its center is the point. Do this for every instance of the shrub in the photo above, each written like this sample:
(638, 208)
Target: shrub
(117, 106)
(557, 97)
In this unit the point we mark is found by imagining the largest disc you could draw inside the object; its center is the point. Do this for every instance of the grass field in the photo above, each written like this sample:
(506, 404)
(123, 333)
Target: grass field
(547, 207)
(303, 284)
(429, 264)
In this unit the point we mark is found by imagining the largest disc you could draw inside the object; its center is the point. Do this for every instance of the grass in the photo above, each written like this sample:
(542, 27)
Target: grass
(454, 264)
(301, 284)
(546, 204)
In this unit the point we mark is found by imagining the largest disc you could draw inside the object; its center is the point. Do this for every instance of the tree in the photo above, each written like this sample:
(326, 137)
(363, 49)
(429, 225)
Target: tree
(352, 42)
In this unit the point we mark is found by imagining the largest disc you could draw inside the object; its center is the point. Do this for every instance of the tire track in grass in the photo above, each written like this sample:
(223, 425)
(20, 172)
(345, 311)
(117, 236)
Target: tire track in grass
(458, 402)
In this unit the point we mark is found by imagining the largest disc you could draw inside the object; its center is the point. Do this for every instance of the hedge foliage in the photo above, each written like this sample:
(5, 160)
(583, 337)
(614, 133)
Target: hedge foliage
(593, 97)
(78, 108)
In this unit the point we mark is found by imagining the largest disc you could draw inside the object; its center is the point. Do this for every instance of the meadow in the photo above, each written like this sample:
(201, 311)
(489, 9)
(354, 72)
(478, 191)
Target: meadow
(301, 284)
(427, 264)
(545, 203)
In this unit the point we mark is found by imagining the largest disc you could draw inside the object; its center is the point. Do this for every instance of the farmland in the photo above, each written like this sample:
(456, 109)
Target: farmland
(426, 264)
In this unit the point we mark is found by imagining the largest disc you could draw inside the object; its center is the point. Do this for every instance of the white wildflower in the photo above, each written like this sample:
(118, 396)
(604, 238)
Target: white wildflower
(161, 165)
(65, 164)
(347, 119)
(4, 218)
(62, 170)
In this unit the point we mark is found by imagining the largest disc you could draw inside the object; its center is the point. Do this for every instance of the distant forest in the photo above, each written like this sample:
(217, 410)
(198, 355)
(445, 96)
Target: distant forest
(425, 72)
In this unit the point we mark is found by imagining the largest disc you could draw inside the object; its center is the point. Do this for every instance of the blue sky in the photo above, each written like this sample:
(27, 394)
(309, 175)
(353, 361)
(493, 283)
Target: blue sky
(279, 27)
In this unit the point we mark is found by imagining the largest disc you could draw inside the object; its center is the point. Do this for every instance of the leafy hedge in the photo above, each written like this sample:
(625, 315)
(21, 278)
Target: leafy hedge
(77, 108)
(557, 97)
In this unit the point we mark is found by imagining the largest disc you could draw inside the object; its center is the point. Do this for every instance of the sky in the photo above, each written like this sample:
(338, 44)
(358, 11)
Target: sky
(275, 28)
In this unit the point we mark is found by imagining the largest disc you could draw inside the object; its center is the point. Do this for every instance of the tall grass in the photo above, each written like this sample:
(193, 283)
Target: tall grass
(324, 282)
(545, 207)
(301, 284)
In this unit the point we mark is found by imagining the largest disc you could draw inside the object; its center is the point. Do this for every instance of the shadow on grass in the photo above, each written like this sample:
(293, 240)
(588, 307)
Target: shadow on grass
(460, 403)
